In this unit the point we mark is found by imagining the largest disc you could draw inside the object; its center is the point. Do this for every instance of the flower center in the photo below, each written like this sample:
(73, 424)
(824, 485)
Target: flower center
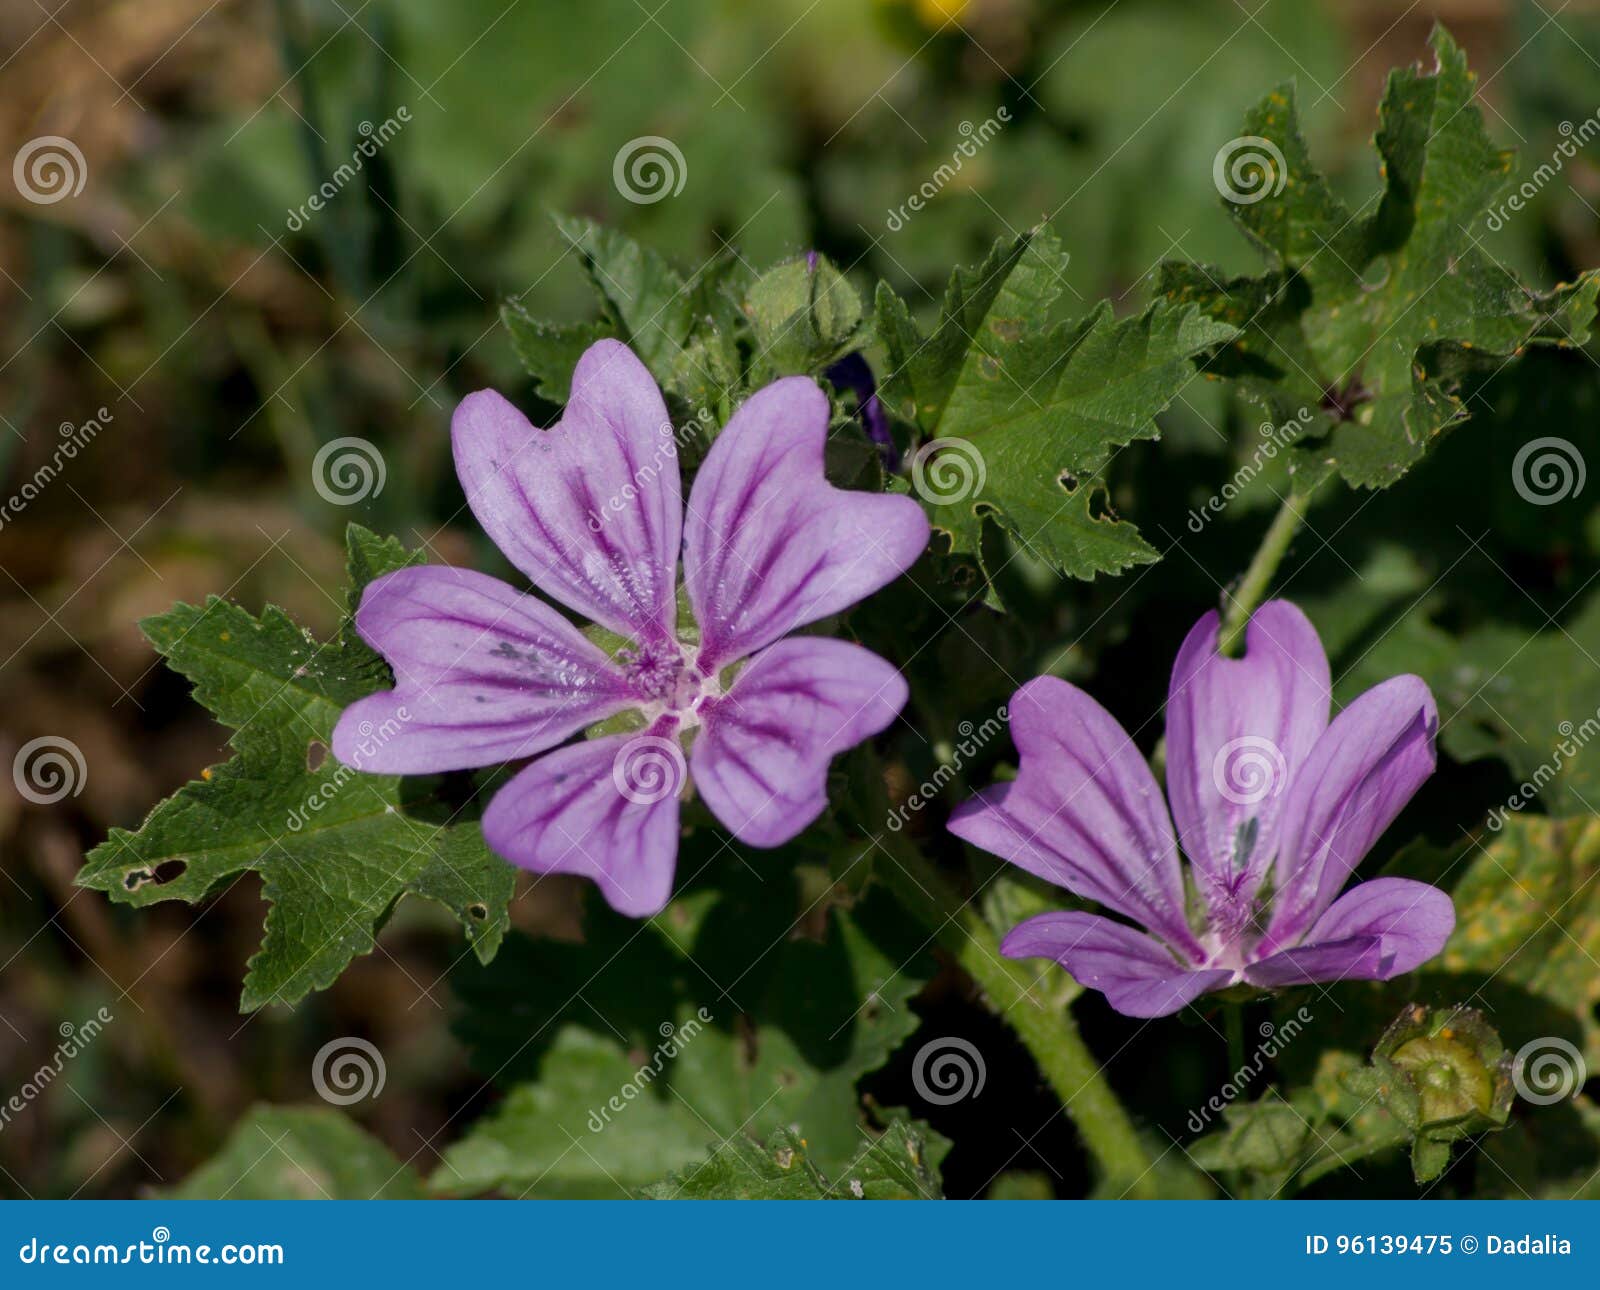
(665, 678)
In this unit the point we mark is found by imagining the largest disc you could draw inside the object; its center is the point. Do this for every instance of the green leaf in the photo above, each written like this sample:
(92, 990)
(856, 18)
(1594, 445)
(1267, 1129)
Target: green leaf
(893, 1166)
(1023, 416)
(1377, 314)
(335, 848)
(803, 316)
(1528, 915)
(632, 1052)
(550, 350)
(300, 1153)
(646, 302)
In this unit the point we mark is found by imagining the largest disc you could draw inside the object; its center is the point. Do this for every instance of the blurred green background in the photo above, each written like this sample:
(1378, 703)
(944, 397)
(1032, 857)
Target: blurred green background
(229, 333)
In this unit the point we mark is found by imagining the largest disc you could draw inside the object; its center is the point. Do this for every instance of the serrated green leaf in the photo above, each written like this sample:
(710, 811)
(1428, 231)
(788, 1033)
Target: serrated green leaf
(335, 848)
(1374, 314)
(893, 1166)
(1034, 412)
(646, 300)
(300, 1153)
(550, 350)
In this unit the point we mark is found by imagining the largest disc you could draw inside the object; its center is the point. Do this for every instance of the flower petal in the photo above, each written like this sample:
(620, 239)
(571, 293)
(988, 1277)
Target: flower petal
(1359, 776)
(1410, 921)
(1354, 958)
(590, 510)
(483, 675)
(761, 761)
(768, 544)
(605, 809)
(1137, 973)
(1237, 731)
(1084, 811)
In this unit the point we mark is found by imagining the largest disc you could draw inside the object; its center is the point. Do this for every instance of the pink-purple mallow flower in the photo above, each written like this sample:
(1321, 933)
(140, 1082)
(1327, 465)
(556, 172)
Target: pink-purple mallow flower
(592, 512)
(1275, 808)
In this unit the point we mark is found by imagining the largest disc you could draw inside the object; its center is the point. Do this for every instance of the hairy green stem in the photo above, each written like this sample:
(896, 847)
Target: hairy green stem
(1258, 577)
(1049, 1033)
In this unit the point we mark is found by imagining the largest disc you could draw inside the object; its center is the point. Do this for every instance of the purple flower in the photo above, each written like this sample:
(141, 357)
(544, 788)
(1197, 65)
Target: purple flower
(1275, 807)
(591, 512)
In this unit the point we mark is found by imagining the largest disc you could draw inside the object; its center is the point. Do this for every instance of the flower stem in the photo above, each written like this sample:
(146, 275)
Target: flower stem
(1049, 1033)
(1258, 577)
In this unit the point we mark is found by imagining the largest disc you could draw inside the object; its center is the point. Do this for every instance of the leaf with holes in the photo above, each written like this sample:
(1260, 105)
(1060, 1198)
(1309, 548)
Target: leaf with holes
(1021, 416)
(1372, 319)
(335, 848)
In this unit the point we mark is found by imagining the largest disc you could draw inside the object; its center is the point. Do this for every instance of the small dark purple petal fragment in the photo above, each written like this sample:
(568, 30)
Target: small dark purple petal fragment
(761, 760)
(1137, 973)
(1084, 811)
(853, 374)
(768, 544)
(590, 510)
(483, 675)
(604, 809)
(1363, 770)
